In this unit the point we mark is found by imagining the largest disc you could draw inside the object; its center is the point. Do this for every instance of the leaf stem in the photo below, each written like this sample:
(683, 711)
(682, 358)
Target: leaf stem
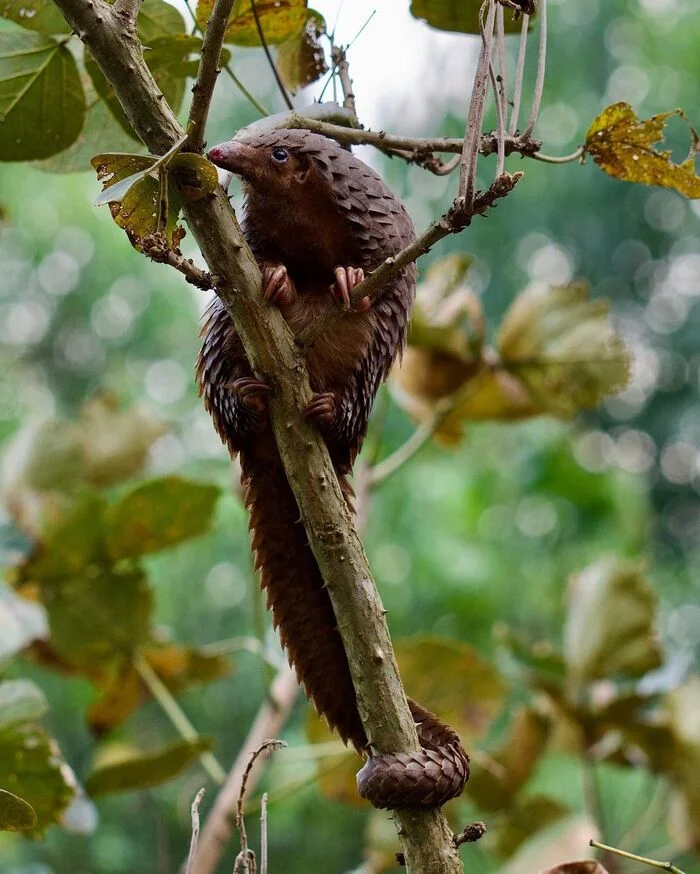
(665, 866)
(176, 715)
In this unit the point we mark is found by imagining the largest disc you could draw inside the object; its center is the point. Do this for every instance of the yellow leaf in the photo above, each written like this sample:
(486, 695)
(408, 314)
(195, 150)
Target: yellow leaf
(623, 146)
(280, 20)
(564, 348)
(301, 60)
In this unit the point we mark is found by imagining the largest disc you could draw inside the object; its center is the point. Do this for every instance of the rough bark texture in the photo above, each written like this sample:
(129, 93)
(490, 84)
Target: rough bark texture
(425, 834)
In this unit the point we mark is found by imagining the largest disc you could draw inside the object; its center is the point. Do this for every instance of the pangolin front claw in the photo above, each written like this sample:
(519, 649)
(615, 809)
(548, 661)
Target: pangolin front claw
(321, 409)
(278, 287)
(251, 392)
(346, 278)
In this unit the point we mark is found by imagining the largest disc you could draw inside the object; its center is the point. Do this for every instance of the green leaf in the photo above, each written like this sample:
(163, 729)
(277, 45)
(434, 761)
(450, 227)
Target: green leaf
(610, 623)
(98, 617)
(101, 133)
(169, 60)
(40, 15)
(42, 103)
(20, 701)
(157, 18)
(32, 768)
(146, 770)
(280, 20)
(564, 348)
(196, 177)
(135, 197)
(159, 514)
(301, 60)
(15, 813)
(21, 622)
(624, 147)
(456, 15)
(68, 544)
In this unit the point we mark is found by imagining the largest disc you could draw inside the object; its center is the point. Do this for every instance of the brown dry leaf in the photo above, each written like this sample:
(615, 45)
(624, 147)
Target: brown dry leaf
(623, 146)
(445, 344)
(583, 866)
(301, 60)
(564, 348)
(115, 442)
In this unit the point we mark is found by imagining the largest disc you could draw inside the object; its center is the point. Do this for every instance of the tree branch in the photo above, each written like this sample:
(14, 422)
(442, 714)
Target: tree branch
(541, 65)
(203, 89)
(269, 345)
(472, 135)
(340, 60)
(128, 10)
(418, 148)
(156, 248)
(456, 219)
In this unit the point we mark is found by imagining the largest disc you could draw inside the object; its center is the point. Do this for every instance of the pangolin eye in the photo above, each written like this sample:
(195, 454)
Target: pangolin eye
(280, 155)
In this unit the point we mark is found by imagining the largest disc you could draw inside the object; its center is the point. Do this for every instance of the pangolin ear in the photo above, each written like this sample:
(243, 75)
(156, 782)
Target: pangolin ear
(302, 170)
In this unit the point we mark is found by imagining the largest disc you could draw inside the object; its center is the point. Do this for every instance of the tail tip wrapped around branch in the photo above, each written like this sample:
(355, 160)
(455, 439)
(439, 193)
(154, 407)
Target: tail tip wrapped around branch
(428, 777)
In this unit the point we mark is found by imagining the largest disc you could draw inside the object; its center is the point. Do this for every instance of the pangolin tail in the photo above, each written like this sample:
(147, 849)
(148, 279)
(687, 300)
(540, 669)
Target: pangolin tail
(303, 614)
(300, 604)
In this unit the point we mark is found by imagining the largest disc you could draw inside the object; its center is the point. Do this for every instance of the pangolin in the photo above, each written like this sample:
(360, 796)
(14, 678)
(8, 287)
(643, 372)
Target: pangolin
(317, 219)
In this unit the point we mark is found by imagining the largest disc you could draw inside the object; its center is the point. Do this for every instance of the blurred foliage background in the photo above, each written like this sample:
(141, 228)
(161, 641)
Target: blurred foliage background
(472, 544)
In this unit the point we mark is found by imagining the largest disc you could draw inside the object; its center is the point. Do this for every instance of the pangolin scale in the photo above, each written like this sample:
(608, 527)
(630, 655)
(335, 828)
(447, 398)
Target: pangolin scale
(311, 207)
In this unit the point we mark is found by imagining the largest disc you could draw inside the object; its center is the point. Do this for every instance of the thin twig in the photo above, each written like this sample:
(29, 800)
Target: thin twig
(472, 134)
(541, 67)
(176, 715)
(270, 59)
(502, 90)
(340, 59)
(556, 159)
(270, 719)
(263, 834)
(665, 866)
(246, 854)
(519, 75)
(414, 147)
(195, 831)
(155, 247)
(427, 430)
(501, 122)
(209, 69)
(453, 221)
